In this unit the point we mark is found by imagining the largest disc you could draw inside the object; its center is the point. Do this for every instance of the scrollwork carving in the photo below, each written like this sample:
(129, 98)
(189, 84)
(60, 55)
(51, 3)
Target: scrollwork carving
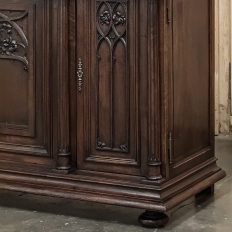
(10, 46)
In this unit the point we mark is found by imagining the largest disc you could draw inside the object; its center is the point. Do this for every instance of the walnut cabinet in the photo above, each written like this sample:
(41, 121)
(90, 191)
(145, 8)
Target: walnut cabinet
(108, 101)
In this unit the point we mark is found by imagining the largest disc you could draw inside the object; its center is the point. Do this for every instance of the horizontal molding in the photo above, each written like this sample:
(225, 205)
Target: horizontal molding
(142, 196)
(112, 160)
(191, 157)
(23, 149)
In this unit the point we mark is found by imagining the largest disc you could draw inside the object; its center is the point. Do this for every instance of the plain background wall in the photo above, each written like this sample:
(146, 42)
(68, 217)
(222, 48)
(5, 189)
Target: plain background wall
(223, 52)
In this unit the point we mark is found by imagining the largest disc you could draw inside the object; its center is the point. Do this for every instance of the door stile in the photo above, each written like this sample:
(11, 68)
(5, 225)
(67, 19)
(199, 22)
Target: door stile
(73, 79)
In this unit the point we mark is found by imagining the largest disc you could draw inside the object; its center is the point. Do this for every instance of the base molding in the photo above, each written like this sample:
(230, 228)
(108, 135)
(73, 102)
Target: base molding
(132, 194)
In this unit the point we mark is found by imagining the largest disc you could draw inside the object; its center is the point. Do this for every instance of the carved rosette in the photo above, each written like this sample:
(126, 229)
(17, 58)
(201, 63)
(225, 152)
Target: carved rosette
(118, 18)
(104, 18)
(13, 41)
(111, 18)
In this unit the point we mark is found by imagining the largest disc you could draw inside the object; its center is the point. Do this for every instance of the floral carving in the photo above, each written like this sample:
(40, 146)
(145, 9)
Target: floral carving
(118, 18)
(104, 18)
(10, 48)
(7, 44)
(111, 28)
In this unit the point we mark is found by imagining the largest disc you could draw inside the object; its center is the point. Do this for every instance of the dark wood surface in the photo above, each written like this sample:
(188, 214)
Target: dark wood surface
(108, 101)
(191, 89)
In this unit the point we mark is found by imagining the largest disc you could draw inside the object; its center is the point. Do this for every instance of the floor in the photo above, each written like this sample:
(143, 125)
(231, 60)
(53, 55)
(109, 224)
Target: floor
(30, 213)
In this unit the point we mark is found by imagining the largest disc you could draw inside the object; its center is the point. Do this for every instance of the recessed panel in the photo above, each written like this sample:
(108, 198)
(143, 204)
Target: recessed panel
(113, 96)
(17, 70)
(24, 79)
(191, 76)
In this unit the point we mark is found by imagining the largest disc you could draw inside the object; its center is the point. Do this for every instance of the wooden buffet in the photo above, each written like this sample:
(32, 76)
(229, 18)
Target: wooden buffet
(108, 101)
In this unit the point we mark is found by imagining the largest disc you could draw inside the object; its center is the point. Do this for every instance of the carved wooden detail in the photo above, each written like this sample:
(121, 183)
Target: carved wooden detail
(139, 100)
(154, 164)
(117, 18)
(100, 144)
(25, 126)
(104, 18)
(112, 75)
(13, 41)
(63, 161)
(124, 147)
(108, 125)
(16, 57)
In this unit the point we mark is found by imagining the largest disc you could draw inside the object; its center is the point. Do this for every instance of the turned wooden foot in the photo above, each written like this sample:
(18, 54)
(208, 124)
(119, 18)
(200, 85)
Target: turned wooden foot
(152, 219)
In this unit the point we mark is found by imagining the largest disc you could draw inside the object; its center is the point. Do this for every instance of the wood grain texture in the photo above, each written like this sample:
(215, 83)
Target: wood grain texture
(17, 60)
(110, 87)
(123, 94)
(25, 110)
(63, 153)
(192, 83)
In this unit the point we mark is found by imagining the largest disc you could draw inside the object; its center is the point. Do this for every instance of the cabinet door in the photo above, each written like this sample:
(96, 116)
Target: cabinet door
(191, 85)
(24, 79)
(111, 87)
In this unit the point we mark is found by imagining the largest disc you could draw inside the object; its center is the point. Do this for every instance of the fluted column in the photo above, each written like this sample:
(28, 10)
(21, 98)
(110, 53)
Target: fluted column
(63, 155)
(154, 162)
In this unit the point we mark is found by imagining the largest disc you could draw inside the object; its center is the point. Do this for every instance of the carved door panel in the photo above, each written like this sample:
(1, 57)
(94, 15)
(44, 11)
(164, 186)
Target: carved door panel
(23, 78)
(191, 85)
(111, 96)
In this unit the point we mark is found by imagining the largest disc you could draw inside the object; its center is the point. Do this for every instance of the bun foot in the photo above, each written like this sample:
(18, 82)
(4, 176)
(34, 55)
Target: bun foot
(152, 219)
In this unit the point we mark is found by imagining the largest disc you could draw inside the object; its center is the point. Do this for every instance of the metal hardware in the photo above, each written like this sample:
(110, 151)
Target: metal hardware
(168, 2)
(170, 147)
(80, 74)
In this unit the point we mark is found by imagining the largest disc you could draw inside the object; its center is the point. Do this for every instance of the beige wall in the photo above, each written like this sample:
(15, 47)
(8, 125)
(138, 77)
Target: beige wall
(223, 48)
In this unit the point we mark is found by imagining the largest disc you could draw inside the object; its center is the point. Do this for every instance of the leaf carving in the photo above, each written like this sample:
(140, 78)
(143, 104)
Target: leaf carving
(9, 46)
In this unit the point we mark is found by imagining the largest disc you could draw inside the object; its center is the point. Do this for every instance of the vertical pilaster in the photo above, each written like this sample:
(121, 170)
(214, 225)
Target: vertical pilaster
(154, 164)
(63, 155)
